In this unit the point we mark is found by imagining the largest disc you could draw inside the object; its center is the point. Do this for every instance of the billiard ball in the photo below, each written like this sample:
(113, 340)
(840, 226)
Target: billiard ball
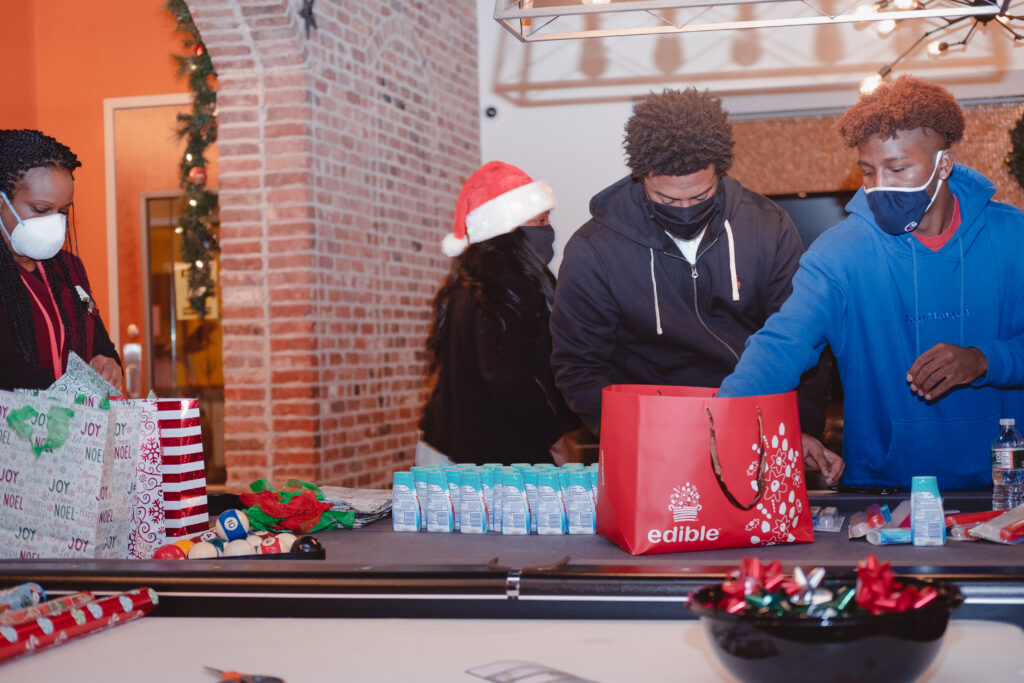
(203, 550)
(238, 547)
(185, 544)
(232, 525)
(169, 552)
(256, 537)
(269, 546)
(286, 540)
(307, 544)
(207, 535)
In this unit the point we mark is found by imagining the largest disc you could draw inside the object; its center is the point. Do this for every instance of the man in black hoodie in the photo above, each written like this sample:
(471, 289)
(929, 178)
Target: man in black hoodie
(678, 265)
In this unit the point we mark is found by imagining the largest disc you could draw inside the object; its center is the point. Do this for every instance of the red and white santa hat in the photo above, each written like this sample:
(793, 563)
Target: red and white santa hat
(495, 200)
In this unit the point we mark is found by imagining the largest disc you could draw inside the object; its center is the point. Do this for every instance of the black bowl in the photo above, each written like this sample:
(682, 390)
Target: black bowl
(890, 647)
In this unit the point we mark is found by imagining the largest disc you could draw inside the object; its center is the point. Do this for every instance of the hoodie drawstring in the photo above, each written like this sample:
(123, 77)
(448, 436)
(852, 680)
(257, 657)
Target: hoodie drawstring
(960, 243)
(732, 262)
(917, 310)
(654, 286)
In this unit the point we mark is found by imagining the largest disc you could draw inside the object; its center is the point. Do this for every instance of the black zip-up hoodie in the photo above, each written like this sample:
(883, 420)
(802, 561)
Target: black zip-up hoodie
(630, 309)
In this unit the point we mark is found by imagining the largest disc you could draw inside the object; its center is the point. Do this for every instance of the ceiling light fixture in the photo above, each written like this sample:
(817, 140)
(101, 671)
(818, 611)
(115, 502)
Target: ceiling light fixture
(540, 20)
(1011, 23)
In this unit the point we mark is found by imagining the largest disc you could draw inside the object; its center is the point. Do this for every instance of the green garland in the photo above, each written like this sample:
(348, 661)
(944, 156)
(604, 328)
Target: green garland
(199, 128)
(1015, 159)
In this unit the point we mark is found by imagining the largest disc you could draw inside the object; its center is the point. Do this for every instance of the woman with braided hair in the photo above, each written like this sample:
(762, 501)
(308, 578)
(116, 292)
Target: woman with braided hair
(46, 306)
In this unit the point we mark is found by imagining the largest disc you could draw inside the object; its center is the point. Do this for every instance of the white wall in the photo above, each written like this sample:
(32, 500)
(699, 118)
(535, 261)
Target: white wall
(561, 105)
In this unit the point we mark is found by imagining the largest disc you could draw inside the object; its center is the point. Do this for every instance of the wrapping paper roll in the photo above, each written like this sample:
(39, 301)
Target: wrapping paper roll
(49, 631)
(43, 609)
(22, 595)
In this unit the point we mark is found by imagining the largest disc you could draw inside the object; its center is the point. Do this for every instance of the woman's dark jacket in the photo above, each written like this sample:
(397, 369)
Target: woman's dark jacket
(15, 372)
(495, 399)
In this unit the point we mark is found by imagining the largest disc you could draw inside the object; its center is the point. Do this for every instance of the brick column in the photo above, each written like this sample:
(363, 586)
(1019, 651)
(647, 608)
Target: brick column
(340, 159)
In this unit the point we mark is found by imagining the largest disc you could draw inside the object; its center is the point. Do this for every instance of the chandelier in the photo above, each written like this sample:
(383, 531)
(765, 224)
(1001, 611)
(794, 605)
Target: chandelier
(1013, 25)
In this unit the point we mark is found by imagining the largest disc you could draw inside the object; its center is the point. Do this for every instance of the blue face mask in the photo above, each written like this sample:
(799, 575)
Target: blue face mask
(899, 210)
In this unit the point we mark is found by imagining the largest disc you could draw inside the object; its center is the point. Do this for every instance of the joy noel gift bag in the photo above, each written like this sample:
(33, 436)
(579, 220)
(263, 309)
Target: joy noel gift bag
(117, 490)
(52, 471)
(681, 470)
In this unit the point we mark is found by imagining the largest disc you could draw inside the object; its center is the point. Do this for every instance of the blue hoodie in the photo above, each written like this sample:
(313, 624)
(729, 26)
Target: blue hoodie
(881, 301)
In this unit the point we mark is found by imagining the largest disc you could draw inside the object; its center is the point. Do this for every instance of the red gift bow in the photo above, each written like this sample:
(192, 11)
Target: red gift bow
(750, 579)
(300, 514)
(878, 591)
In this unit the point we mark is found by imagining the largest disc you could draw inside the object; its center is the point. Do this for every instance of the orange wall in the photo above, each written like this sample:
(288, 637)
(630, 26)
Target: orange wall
(17, 45)
(74, 55)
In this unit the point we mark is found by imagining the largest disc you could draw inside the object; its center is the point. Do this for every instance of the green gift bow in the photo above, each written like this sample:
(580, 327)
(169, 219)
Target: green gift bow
(58, 419)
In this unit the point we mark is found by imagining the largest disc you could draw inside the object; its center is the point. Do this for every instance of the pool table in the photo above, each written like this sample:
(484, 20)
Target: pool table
(376, 572)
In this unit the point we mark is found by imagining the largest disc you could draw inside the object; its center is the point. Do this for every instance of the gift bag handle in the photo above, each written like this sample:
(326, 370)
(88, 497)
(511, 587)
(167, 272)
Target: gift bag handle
(717, 466)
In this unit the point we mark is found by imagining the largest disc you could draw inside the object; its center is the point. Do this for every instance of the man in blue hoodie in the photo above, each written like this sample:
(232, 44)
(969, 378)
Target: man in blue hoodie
(920, 294)
(678, 265)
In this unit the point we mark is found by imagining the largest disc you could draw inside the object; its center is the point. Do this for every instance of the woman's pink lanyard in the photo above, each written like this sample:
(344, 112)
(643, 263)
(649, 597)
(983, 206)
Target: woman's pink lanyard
(55, 348)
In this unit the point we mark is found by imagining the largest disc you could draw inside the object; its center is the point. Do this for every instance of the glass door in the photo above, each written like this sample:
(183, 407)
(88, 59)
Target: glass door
(184, 351)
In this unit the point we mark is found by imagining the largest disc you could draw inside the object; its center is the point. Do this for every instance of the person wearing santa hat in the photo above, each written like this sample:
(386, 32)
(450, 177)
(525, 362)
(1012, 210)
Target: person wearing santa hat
(494, 398)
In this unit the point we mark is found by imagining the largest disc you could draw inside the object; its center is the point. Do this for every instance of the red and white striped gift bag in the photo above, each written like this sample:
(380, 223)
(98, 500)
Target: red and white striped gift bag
(184, 474)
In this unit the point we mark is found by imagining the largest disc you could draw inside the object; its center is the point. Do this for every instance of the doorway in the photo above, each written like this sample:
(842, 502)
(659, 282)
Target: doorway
(166, 348)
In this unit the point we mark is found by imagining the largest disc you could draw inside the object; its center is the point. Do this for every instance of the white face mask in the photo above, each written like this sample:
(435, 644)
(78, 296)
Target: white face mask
(37, 238)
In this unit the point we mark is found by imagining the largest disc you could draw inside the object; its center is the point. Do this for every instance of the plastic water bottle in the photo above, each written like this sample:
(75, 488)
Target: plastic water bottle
(1007, 467)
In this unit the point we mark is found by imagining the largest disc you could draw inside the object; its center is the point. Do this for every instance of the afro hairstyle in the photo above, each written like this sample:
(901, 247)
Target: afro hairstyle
(678, 132)
(908, 103)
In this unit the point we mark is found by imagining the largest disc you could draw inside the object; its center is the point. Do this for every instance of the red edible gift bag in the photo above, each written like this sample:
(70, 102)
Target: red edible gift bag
(681, 470)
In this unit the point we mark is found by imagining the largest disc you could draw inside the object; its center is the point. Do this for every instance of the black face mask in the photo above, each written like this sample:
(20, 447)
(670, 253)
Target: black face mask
(541, 239)
(685, 222)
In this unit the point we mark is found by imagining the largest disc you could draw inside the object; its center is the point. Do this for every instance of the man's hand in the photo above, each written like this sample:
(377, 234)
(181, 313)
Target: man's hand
(816, 456)
(108, 369)
(944, 367)
(564, 450)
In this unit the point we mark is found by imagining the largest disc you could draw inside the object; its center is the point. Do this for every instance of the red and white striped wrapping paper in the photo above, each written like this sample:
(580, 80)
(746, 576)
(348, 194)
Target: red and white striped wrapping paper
(184, 474)
(49, 631)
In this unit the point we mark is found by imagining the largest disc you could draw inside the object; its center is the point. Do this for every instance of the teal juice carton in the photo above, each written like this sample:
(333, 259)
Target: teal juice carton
(927, 520)
(530, 482)
(592, 472)
(419, 478)
(405, 504)
(550, 506)
(454, 487)
(496, 509)
(473, 515)
(440, 516)
(515, 508)
(487, 484)
(579, 503)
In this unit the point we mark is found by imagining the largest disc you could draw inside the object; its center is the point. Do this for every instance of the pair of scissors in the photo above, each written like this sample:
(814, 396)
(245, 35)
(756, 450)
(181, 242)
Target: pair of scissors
(243, 678)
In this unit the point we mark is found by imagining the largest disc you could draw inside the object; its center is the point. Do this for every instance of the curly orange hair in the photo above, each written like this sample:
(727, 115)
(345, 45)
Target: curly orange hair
(905, 104)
